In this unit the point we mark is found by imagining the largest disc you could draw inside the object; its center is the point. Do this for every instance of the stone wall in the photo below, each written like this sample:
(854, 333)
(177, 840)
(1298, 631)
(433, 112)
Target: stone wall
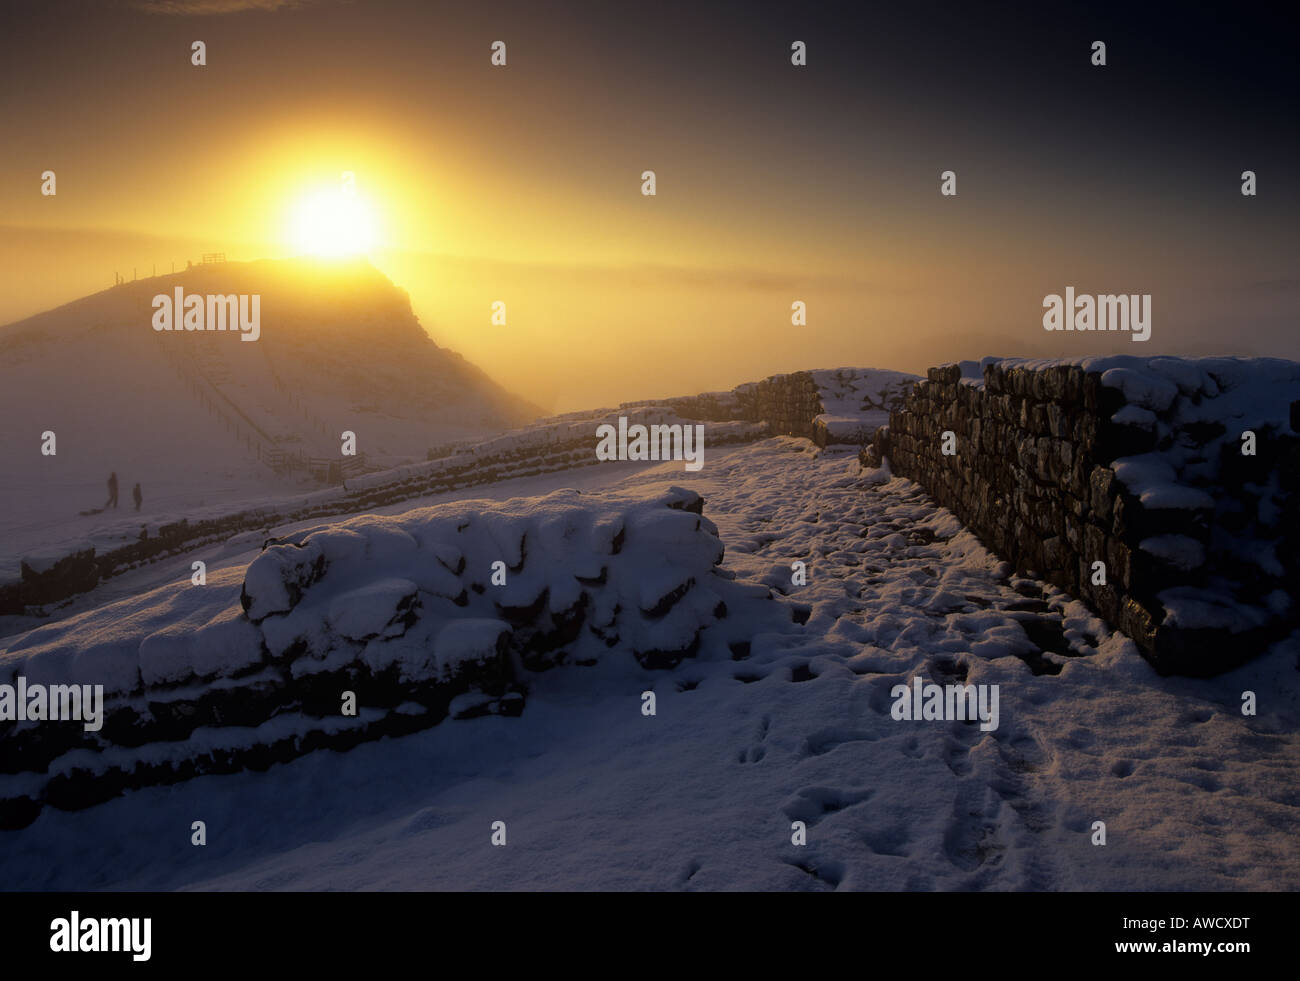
(841, 406)
(545, 449)
(1135, 464)
(789, 404)
(786, 404)
(408, 613)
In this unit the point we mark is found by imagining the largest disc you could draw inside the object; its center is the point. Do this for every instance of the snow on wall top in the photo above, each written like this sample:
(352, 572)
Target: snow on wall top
(1194, 413)
(412, 592)
(1217, 399)
(1154, 382)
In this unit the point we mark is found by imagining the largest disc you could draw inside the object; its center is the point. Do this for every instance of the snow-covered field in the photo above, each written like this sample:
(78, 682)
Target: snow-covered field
(796, 727)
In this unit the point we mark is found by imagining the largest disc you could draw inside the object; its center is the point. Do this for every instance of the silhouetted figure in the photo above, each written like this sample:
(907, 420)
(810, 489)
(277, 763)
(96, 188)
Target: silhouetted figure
(112, 490)
(139, 498)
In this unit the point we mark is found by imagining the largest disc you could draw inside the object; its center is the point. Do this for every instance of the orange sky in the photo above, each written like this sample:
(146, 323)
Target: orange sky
(522, 184)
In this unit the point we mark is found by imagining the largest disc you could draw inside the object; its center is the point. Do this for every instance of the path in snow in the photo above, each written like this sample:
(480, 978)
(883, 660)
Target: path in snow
(702, 796)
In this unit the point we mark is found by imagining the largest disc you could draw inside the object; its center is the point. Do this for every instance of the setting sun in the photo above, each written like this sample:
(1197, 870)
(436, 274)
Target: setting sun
(332, 223)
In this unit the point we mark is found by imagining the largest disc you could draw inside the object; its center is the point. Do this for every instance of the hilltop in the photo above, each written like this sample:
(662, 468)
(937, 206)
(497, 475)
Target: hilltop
(200, 418)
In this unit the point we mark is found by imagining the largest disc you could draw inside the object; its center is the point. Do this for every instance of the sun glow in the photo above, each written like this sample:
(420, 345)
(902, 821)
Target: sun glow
(332, 223)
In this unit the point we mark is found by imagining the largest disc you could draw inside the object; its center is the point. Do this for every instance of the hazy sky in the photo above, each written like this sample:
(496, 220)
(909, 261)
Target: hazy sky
(775, 183)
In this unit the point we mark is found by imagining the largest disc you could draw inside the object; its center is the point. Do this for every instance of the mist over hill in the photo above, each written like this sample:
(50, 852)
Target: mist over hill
(201, 416)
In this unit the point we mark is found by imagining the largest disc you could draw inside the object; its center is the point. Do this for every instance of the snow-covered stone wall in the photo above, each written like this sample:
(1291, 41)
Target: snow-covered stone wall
(1162, 491)
(443, 611)
(64, 571)
(835, 406)
(828, 406)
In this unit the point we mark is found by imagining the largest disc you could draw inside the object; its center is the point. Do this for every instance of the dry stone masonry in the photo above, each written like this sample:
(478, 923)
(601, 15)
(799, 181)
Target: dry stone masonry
(1179, 476)
(829, 406)
(440, 612)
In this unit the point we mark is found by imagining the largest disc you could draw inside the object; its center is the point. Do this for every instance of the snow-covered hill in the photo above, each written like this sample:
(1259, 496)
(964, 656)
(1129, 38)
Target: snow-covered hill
(193, 416)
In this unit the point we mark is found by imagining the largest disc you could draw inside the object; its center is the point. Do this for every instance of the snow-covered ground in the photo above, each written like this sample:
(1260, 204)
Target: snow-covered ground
(858, 400)
(796, 727)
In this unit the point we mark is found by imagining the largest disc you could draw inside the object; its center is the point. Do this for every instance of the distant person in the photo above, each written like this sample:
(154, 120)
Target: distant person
(112, 490)
(139, 498)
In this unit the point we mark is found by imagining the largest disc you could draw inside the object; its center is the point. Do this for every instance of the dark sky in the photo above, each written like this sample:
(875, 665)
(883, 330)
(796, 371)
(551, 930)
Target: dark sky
(819, 183)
